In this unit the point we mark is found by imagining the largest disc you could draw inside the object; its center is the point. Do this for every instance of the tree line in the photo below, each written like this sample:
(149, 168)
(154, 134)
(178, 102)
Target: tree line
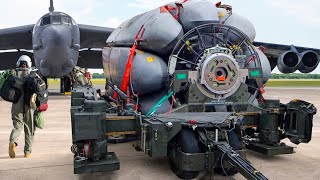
(295, 76)
(273, 76)
(98, 76)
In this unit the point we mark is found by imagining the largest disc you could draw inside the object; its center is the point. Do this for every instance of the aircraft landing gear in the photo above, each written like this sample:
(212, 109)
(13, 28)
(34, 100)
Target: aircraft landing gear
(45, 81)
(65, 84)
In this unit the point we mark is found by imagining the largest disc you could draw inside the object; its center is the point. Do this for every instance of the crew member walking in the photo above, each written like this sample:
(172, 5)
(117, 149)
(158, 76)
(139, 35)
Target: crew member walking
(22, 113)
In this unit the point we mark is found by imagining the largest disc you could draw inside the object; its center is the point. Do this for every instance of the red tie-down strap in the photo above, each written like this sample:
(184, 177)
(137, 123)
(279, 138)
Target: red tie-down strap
(167, 9)
(261, 99)
(126, 75)
(262, 90)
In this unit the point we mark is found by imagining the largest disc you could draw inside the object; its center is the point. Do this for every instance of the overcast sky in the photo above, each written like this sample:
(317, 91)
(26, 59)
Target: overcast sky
(278, 21)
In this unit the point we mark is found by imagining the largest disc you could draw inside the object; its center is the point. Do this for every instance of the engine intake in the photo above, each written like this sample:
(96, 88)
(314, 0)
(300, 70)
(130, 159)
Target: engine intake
(309, 61)
(289, 62)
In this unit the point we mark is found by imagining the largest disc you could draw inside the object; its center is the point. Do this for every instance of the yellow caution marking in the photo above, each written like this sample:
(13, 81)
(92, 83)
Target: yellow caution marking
(140, 52)
(117, 118)
(120, 133)
(150, 59)
(221, 15)
(234, 47)
(295, 100)
(188, 43)
(246, 114)
(67, 93)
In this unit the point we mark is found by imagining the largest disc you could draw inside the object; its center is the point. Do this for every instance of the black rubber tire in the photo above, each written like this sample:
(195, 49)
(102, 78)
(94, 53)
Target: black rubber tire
(62, 85)
(67, 84)
(188, 143)
(234, 142)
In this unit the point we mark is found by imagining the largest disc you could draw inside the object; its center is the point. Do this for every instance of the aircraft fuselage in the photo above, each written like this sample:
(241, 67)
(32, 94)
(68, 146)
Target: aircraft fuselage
(56, 44)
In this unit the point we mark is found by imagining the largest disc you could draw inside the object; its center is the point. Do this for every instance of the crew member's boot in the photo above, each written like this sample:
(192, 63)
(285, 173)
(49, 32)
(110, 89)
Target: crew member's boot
(12, 150)
(27, 155)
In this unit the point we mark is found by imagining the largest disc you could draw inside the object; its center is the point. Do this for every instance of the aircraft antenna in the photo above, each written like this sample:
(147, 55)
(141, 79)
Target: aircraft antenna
(51, 8)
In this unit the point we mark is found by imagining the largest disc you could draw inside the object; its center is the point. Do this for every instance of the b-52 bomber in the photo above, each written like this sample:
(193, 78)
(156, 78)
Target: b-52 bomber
(58, 44)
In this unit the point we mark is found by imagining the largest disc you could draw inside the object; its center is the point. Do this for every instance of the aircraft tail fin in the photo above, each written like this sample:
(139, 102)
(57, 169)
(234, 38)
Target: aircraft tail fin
(51, 8)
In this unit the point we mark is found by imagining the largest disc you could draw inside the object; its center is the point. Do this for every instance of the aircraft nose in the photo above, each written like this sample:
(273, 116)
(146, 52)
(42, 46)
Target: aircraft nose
(58, 57)
(49, 69)
(44, 68)
(56, 35)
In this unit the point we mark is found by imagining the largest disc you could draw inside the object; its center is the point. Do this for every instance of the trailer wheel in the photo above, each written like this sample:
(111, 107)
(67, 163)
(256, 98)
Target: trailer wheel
(234, 142)
(187, 141)
(65, 84)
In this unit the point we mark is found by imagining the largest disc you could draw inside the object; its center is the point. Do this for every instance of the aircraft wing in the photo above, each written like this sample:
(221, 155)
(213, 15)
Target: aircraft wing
(16, 38)
(19, 39)
(8, 59)
(92, 40)
(90, 58)
(273, 51)
(93, 36)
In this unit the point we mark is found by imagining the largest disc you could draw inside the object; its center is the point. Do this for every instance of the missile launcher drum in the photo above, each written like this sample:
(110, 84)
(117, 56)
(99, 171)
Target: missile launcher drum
(187, 82)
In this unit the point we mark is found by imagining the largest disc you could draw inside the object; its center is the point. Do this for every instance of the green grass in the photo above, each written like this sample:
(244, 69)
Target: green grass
(94, 81)
(55, 83)
(293, 83)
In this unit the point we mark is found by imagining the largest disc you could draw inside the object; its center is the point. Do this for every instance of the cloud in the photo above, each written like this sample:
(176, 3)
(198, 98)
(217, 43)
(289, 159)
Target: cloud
(148, 4)
(18, 13)
(77, 9)
(303, 11)
(113, 22)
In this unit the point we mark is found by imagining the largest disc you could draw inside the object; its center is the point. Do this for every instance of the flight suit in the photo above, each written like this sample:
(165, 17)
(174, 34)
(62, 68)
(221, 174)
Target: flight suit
(81, 80)
(22, 116)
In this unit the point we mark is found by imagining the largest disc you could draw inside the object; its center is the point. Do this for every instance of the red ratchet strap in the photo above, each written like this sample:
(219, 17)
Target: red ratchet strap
(252, 58)
(179, 6)
(262, 89)
(166, 9)
(261, 100)
(126, 75)
(263, 49)
(225, 6)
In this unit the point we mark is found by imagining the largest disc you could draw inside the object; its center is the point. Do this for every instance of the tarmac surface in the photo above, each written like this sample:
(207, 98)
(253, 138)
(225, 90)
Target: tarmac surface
(52, 158)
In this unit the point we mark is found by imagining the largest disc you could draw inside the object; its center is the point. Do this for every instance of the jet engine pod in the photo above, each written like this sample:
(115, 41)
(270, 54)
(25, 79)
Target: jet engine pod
(288, 62)
(309, 61)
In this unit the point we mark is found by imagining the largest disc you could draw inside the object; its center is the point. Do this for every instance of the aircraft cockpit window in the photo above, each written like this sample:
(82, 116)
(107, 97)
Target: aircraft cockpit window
(73, 22)
(45, 21)
(66, 20)
(55, 19)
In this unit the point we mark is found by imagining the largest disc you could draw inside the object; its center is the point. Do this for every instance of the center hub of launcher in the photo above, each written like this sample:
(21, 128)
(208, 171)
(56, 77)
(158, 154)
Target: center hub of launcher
(219, 71)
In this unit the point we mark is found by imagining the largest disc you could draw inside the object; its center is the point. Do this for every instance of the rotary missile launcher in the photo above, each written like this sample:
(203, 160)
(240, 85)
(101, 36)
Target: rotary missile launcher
(187, 82)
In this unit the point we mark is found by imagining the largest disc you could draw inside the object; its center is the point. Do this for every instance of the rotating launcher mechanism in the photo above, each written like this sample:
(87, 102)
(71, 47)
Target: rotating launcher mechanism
(215, 86)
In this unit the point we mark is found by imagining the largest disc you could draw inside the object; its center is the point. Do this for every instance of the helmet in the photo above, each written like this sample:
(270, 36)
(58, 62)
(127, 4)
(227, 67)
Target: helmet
(24, 58)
